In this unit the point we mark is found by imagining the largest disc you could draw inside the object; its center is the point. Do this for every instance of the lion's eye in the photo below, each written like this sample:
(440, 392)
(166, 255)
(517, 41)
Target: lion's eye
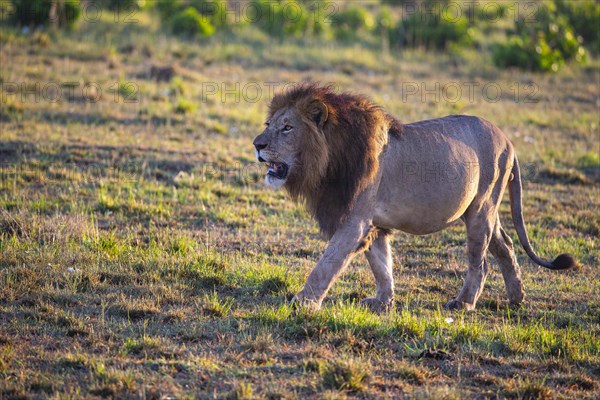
(287, 128)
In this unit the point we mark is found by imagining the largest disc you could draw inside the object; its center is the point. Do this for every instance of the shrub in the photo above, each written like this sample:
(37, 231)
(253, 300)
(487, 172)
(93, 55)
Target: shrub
(542, 45)
(317, 12)
(166, 9)
(397, 2)
(584, 17)
(385, 27)
(190, 22)
(512, 53)
(289, 18)
(122, 5)
(198, 17)
(384, 20)
(351, 22)
(490, 14)
(275, 17)
(214, 10)
(43, 12)
(433, 30)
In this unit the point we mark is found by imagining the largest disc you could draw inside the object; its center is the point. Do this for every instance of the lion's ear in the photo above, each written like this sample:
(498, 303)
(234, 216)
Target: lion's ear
(318, 112)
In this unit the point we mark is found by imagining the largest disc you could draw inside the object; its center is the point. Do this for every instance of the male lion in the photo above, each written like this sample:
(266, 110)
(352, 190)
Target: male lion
(362, 173)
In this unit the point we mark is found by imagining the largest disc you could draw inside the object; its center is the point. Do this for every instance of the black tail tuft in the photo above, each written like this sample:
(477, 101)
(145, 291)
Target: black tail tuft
(563, 261)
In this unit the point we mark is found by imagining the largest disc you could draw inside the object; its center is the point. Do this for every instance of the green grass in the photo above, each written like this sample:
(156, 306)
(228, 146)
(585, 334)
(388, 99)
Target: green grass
(141, 256)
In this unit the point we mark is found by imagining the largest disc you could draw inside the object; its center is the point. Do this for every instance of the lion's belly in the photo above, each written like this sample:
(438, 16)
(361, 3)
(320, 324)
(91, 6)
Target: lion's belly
(420, 217)
(428, 183)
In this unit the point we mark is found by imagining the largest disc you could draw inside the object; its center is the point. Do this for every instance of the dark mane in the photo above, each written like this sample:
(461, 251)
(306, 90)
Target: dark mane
(340, 158)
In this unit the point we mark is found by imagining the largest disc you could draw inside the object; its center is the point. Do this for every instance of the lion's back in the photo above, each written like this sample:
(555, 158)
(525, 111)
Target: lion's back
(438, 167)
(481, 136)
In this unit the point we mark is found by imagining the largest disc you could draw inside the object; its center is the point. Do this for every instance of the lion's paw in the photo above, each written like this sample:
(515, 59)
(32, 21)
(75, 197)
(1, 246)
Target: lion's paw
(300, 301)
(459, 305)
(376, 305)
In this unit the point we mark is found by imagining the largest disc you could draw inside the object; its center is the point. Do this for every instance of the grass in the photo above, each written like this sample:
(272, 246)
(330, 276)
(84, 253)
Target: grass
(141, 256)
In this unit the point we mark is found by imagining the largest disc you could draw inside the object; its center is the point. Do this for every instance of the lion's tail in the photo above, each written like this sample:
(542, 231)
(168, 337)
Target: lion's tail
(563, 261)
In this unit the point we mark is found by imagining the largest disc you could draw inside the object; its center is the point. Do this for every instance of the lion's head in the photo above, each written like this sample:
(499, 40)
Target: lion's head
(323, 148)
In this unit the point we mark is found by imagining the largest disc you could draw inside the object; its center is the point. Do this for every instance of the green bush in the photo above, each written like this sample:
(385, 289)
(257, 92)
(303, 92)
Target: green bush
(348, 24)
(38, 12)
(398, 2)
(288, 18)
(190, 22)
(385, 27)
(122, 5)
(544, 44)
(516, 52)
(435, 31)
(197, 17)
(275, 17)
(384, 21)
(166, 9)
(512, 53)
(317, 16)
(214, 10)
(490, 14)
(584, 17)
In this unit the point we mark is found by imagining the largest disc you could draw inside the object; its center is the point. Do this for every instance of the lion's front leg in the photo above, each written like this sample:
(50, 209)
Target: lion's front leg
(379, 257)
(343, 246)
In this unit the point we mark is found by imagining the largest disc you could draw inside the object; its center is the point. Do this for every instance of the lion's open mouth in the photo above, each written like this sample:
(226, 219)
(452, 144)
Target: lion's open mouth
(277, 170)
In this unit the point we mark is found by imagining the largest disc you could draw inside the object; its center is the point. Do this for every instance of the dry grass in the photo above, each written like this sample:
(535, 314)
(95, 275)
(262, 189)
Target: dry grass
(140, 255)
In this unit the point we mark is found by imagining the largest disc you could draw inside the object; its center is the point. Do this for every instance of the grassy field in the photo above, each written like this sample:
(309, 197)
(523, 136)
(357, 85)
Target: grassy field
(141, 256)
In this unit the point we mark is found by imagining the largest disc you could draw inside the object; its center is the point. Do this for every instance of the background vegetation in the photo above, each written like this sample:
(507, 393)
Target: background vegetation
(141, 256)
(536, 35)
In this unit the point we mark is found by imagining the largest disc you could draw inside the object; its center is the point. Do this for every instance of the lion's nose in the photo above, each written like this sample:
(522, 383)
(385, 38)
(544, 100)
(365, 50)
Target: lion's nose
(259, 146)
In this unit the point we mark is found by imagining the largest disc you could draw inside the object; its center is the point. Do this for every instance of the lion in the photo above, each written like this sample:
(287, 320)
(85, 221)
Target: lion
(362, 174)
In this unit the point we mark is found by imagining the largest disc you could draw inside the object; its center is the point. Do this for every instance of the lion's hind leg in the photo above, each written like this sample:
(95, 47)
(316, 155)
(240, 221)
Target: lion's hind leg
(379, 256)
(480, 223)
(501, 247)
